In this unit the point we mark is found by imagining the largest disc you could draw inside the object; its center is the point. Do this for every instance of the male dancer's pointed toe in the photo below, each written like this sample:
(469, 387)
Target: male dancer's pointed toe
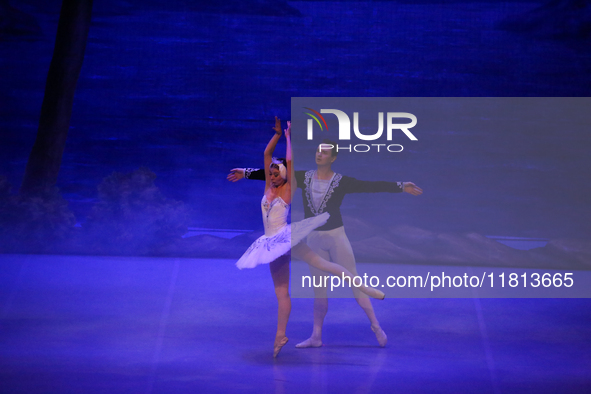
(374, 293)
(380, 335)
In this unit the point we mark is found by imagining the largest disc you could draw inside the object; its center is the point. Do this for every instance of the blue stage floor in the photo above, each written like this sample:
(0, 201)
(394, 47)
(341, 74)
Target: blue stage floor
(91, 324)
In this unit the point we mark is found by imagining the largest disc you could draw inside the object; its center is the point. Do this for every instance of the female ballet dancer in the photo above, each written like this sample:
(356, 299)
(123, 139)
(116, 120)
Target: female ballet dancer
(323, 191)
(273, 248)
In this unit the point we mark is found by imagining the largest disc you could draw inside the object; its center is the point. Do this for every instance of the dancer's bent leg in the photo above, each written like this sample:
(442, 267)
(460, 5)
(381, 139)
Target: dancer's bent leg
(303, 252)
(280, 274)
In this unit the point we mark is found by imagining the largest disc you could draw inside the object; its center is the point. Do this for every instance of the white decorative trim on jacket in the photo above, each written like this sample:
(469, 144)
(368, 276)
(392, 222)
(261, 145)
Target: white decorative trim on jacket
(248, 171)
(307, 182)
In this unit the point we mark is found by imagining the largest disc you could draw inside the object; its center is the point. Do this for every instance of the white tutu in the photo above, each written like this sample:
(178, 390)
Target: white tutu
(284, 236)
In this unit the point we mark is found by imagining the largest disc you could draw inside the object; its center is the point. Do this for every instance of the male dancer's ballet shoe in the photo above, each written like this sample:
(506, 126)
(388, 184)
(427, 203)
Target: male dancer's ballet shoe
(310, 342)
(278, 345)
(380, 335)
(374, 293)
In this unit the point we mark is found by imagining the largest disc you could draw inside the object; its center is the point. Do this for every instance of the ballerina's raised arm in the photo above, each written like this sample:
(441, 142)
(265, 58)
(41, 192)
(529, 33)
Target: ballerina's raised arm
(268, 155)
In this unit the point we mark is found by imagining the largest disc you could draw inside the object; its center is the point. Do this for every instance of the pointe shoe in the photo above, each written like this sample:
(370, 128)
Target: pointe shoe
(310, 342)
(374, 293)
(277, 346)
(380, 336)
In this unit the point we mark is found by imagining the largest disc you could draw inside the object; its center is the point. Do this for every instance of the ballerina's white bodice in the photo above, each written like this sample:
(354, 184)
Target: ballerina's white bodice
(274, 215)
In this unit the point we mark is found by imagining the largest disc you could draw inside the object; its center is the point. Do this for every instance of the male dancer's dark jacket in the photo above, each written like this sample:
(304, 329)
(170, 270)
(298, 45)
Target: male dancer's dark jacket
(339, 187)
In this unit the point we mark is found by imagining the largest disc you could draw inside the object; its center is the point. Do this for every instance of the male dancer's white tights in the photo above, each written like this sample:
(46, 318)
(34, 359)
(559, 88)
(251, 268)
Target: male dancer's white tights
(333, 245)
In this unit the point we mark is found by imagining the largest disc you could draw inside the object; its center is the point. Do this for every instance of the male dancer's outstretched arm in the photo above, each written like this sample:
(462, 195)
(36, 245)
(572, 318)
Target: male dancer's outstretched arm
(237, 174)
(258, 174)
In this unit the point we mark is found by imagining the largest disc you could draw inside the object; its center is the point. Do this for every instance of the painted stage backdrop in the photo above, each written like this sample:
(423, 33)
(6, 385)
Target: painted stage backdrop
(172, 95)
